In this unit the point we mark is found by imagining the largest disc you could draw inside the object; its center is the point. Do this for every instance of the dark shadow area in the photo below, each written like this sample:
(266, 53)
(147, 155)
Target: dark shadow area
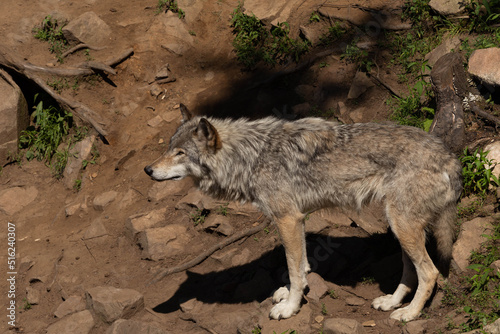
(344, 261)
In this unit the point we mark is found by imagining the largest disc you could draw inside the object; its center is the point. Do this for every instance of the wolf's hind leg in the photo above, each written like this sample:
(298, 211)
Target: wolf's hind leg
(291, 231)
(407, 284)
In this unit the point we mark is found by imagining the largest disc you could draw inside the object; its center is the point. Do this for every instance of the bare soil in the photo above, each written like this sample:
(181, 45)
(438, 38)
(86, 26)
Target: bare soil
(209, 81)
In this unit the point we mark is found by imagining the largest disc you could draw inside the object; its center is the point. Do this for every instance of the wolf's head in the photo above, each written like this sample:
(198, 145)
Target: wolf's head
(196, 137)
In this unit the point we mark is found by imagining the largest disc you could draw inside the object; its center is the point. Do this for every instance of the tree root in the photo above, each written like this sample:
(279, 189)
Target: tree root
(200, 258)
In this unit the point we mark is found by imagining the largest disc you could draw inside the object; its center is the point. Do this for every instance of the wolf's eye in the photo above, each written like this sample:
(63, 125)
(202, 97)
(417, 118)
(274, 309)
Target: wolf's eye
(180, 153)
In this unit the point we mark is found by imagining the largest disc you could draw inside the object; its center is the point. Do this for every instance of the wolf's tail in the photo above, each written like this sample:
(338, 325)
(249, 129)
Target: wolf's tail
(445, 224)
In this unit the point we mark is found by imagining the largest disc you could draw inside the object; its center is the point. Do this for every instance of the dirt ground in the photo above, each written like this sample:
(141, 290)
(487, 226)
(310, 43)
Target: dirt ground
(209, 81)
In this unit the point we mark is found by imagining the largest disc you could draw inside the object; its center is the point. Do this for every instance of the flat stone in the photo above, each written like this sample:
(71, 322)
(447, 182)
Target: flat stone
(14, 199)
(95, 230)
(342, 326)
(110, 303)
(355, 301)
(32, 295)
(161, 190)
(77, 323)
(493, 154)
(493, 328)
(360, 84)
(87, 28)
(122, 326)
(483, 64)
(155, 121)
(271, 11)
(143, 221)
(446, 46)
(415, 327)
(163, 242)
(71, 305)
(104, 199)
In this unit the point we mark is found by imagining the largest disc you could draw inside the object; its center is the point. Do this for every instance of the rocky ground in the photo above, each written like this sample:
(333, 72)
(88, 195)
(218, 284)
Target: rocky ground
(84, 257)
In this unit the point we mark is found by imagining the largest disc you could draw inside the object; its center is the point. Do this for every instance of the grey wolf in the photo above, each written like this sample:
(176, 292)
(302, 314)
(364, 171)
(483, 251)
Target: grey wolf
(288, 169)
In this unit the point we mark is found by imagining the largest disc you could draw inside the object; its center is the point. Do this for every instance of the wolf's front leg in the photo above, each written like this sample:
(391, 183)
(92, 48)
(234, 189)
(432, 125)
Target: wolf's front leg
(292, 236)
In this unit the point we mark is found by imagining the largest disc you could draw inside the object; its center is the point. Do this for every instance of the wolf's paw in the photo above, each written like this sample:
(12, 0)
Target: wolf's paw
(281, 294)
(385, 303)
(283, 310)
(406, 313)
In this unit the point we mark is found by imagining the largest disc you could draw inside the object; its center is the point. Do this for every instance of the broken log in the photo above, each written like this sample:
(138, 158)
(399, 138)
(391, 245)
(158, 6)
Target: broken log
(450, 86)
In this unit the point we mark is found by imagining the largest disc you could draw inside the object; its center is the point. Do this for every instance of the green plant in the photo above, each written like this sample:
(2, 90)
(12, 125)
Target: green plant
(43, 139)
(51, 31)
(166, 5)
(335, 32)
(94, 158)
(199, 216)
(77, 186)
(333, 294)
(323, 309)
(58, 84)
(477, 172)
(409, 110)
(358, 56)
(367, 280)
(254, 43)
(26, 304)
(192, 33)
(223, 209)
(256, 330)
(314, 17)
(88, 56)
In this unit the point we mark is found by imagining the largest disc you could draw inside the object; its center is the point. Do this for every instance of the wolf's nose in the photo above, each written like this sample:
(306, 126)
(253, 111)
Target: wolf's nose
(148, 170)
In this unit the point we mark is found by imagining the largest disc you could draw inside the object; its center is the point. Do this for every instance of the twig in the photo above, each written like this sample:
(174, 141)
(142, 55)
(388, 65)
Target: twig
(481, 113)
(197, 260)
(88, 249)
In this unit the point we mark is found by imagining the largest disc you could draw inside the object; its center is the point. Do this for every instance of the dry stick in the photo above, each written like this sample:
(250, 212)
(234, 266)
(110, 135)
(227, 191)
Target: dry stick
(78, 47)
(197, 260)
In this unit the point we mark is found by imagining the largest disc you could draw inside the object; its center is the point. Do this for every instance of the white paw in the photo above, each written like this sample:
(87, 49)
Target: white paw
(405, 314)
(284, 309)
(385, 303)
(281, 294)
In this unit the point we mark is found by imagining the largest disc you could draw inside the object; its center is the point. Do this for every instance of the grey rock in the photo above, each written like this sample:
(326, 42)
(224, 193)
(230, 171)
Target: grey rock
(15, 117)
(317, 287)
(77, 323)
(71, 305)
(360, 84)
(80, 152)
(110, 303)
(161, 190)
(15, 199)
(26, 264)
(87, 28)
(122, 326)
(162, 242)
(342, 326)
(169, 32)
(483, 64)
(447, 7)
(446, 46)
(416, 327)
(271, 11)
(196, 199)
(219, 224)
(104, 199)
(493, 328)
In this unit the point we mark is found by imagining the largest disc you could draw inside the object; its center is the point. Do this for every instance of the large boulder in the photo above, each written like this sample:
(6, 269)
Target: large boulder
(15, 117)
(483, 64)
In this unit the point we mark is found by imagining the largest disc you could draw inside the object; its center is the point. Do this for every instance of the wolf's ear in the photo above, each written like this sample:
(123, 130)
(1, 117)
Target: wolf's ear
(206, 133)
(186, 114)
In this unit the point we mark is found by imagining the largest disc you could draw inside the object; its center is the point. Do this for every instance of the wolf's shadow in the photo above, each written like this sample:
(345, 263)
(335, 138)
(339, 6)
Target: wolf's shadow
(343, 261)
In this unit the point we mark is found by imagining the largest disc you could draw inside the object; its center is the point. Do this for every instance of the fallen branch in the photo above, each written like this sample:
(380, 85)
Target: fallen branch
(481, 113)
(76, 48)
(197, 260)
(13, 62)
